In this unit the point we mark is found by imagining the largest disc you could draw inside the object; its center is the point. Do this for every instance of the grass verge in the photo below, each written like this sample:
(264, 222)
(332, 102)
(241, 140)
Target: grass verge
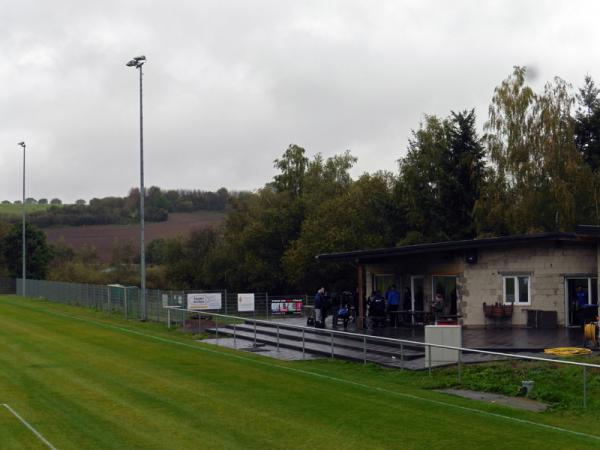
(88, 380)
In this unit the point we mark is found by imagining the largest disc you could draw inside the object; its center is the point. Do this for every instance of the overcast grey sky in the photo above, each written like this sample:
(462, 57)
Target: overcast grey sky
(230, 84)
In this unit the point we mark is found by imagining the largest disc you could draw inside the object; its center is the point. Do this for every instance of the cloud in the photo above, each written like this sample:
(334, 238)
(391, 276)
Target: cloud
(230, 84)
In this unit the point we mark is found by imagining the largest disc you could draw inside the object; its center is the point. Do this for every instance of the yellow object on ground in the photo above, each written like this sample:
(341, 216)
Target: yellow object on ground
(567, 351)
(589, 331)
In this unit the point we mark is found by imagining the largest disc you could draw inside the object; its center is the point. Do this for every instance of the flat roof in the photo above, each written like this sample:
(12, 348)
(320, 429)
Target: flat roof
(589, 234)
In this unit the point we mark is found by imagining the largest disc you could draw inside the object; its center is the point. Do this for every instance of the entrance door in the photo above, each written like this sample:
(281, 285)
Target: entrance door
(446, 285)
(589, 287)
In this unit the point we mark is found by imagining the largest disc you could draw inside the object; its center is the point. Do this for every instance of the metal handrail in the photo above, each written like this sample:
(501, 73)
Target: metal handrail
(387, 339)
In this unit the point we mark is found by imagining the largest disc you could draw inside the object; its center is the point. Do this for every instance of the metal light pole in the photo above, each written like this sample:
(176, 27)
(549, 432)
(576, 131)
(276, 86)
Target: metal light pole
(22, 144)
(138, 62)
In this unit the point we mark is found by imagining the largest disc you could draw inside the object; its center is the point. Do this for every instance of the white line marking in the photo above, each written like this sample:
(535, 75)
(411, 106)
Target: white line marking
(338, 380)
(33, 430)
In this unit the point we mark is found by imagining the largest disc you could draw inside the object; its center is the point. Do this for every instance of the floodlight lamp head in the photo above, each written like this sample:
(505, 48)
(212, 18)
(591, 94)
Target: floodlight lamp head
(137, 62)
(22, 144)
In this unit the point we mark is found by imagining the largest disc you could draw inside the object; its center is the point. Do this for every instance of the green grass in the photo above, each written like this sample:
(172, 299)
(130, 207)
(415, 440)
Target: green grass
(17, 210)
(88, 380)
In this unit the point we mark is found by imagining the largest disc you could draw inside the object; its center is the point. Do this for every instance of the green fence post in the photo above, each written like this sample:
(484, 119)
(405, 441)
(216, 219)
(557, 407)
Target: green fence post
(125, 305)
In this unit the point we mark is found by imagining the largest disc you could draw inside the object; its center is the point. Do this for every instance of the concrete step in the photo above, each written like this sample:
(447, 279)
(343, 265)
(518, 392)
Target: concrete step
(389, 356)
(384, 348)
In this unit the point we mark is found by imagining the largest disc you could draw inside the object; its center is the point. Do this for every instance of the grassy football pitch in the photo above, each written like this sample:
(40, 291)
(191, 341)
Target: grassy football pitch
(84, 380)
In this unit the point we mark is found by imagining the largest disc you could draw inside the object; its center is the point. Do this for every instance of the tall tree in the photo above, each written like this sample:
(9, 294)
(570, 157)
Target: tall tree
(440, 179)
(356, 219)
(530, 139)
(263, 226)
(587, 123)
(38, 253)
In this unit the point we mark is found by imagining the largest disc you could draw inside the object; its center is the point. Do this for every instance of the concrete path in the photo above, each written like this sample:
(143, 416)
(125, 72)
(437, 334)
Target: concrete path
(515, 402)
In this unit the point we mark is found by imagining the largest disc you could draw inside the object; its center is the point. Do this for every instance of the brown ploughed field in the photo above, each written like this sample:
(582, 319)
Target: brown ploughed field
(103, 236)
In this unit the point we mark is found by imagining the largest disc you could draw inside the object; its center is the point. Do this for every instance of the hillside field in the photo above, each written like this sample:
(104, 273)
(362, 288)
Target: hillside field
(17, 210)
(85, 380)
(103, 236)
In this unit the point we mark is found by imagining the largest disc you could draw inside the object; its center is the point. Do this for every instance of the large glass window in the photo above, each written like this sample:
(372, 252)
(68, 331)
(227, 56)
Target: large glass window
(516, 290)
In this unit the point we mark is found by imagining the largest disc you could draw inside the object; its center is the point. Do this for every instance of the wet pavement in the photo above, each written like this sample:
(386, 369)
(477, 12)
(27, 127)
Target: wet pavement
(493, 339)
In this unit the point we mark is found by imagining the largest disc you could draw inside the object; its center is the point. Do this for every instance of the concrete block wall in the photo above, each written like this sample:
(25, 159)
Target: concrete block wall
(547, 264)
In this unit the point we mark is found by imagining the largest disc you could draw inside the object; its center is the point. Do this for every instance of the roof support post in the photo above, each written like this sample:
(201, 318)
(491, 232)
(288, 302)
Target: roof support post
(361, 298)
(597, 269)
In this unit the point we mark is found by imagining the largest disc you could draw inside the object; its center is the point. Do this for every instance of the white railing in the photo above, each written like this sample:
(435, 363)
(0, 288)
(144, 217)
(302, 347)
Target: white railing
(366, 337)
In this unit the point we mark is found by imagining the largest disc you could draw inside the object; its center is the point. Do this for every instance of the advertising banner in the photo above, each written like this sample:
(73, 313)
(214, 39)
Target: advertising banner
(286, 306)
(204, 301)
(245, 302)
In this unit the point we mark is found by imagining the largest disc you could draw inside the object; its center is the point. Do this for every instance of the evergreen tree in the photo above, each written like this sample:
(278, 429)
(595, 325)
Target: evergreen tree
(38, 253)
(587, 123)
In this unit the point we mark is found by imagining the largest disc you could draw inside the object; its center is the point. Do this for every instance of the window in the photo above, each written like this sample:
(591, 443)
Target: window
(516, 290)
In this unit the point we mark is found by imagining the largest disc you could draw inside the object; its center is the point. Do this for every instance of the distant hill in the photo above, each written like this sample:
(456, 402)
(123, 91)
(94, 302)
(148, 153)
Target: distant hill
(103, 236)
(119, 210)
(11, 209)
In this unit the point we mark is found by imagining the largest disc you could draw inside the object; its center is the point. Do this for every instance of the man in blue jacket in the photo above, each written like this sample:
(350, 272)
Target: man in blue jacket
(392, 297)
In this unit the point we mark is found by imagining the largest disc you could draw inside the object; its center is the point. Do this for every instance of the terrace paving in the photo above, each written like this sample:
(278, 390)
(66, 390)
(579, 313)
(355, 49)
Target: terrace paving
(493, 339)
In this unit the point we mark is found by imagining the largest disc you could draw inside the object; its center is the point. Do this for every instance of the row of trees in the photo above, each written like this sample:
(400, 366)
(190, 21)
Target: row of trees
(33, 201)
(535, 168)
(116, 210)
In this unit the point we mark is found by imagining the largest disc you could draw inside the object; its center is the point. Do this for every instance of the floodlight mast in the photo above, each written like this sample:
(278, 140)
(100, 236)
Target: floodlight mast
(138, 62)
(24, 273)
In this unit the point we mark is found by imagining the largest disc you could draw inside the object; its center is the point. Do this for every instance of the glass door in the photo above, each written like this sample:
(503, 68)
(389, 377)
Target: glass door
(417, 284)
(585, 288)
(383, 282)
(446, 287)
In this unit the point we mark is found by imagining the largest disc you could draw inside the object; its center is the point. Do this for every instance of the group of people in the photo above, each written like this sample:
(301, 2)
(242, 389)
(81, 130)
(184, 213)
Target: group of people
(383, 307)
(341, 306)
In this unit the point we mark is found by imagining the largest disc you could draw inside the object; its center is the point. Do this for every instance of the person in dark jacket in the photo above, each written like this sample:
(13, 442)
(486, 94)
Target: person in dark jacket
(319, 306)
(377, 310)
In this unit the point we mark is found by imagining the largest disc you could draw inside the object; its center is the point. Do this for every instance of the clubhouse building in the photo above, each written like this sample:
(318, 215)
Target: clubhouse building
(514, 281)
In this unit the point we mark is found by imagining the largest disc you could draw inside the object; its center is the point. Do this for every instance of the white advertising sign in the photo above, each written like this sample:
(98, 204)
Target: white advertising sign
(245, 302)
(203, 301)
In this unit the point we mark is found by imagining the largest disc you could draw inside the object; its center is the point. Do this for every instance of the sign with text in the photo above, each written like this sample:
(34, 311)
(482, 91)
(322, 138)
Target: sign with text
(286, 306)
(204, 301)
(245, 302)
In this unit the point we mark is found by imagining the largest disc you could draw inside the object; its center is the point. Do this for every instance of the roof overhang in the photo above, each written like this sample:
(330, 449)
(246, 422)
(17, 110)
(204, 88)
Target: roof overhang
(582, 236)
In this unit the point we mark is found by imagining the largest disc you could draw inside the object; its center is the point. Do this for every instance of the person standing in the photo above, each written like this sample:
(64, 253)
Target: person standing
(319, 306)
(437, 305)
(582, 303)
(377, 310)
(582, 299)
(392, 297)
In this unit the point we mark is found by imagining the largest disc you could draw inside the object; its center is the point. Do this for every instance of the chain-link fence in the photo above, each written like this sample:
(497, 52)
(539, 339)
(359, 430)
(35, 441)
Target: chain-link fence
(117, 298)
(8, 286)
